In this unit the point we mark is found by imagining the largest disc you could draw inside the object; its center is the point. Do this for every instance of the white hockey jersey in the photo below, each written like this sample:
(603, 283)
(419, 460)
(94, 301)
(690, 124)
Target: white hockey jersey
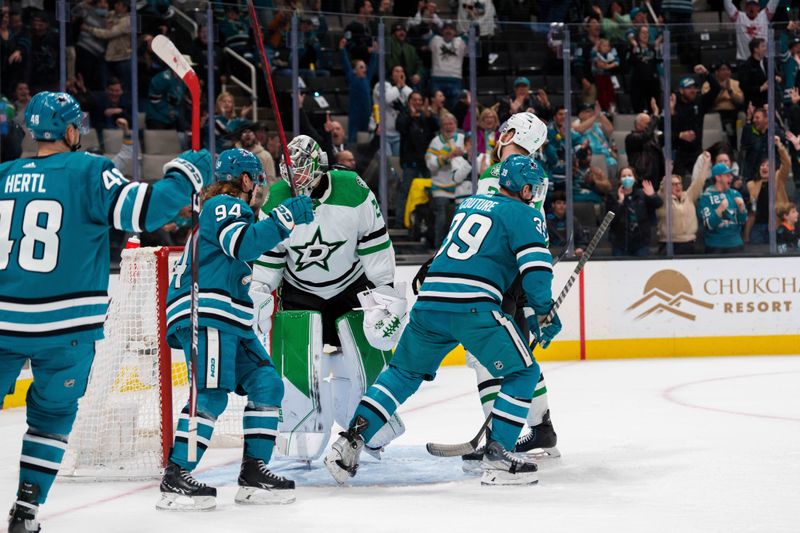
(347, 238)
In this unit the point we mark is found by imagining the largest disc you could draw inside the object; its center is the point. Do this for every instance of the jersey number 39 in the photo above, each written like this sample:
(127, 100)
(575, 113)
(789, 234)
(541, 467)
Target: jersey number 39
(38, 247)
(467, 233)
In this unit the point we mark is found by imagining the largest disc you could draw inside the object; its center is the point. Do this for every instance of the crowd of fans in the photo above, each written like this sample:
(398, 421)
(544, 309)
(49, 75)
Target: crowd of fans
(718, 190)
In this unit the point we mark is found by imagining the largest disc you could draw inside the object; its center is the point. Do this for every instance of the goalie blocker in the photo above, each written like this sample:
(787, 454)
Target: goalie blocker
(323, 384)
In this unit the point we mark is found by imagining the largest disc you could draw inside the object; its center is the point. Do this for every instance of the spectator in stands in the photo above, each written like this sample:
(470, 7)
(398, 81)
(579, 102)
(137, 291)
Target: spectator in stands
(522, 100)
(399, 52)
(614, 23)
(757, 228)
(684, 208)
(488, 122)
(787, 235)
(11, 61)
(358, 78)
(199, 55)
(791, 65)
(248, 141)
(346, 160)
(447, 56)
(480, 12)
(226, 121)
(723, 213)
(688, 109)
(165, 99)
(634, 207)
(338, 136)
(605, 66)
(359, 36)
(447, 145)
(593, 125)
(721, 153)
(234, 33)
(108, 106)
(435, 105)
(754, 141)
(396, 94)
(728, 102)
(75, 86)
(639, 21)
(310, 57)
(417, 127)
(644, 58)
(589, 183)
(678, 14)
(11, 133)
(643, 146)
(22, 95)
(89, 50)
(117, 33)
(555, 149)
(753, 74)
(557, 225)
(582, 58)
(752, 23)
(42, 63)
(426, 21)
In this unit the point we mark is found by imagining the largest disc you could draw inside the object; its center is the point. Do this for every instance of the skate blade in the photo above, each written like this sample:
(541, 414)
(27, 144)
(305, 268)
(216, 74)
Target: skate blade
(374, 452)
(471, 467)
(258, 496)
(501, 477)
(339, 474)
(543, 453)
(180, 502)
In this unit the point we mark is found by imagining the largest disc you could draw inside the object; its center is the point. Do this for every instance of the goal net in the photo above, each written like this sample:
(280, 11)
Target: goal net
(138, 385)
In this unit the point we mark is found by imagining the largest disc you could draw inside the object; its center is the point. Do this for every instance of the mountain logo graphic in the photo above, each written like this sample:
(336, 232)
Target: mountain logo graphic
(667, 291)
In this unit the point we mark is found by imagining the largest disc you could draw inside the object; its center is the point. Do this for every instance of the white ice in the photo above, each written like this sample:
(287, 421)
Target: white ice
(673, 445)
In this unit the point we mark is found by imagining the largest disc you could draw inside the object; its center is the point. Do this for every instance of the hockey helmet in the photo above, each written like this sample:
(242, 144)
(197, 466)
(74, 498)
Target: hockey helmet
(520, 170)
(49, 113)
(530, 133)
(309, 163)
(231, 164)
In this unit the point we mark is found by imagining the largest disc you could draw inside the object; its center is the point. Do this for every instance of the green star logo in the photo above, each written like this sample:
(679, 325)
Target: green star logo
(315, 252)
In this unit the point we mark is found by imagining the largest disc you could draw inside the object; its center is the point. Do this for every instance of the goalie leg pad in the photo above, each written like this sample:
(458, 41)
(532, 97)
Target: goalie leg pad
(307, 414)
(355, 369)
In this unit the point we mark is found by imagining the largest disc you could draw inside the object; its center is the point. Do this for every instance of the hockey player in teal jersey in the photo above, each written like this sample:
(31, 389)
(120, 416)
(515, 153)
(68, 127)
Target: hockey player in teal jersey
(55, 212)
(230, 356)
(492, 239)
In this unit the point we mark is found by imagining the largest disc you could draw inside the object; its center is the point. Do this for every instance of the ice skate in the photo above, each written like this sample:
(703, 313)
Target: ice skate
(181, 492)
(342, 460)
(22, 517)
(259, 486)
(471, 462)
(501, 467)
(540, 441)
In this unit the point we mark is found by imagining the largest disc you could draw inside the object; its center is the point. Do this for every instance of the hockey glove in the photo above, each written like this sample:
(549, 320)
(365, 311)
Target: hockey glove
(384, 314)
(196, 166)
(543, 333)
(297, 210)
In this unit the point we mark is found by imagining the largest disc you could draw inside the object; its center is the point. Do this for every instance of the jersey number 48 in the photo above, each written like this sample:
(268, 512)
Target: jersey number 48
(38, 247)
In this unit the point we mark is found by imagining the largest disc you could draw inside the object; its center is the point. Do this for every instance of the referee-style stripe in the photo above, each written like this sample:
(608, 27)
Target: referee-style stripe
(494, 382)
(139, 212)
(532, 247)
(466, 281)
(525, 404)
(373, 235)
(123, 195)
(236, 242)
(508, 419)
(522, 349)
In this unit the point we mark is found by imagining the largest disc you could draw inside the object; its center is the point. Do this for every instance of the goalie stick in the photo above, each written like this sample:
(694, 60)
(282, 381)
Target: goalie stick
(273, 100)
(453, 450)
(169, 54)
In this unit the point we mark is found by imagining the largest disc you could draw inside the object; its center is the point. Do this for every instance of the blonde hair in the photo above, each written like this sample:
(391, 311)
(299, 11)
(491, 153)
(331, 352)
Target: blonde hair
(783, 210)
(231, 188)
(489, 111)
(223, 95)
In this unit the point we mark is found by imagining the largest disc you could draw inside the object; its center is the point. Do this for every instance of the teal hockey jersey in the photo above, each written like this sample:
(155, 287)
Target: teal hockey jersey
(229, 239)
(55, 212)
(492, 239)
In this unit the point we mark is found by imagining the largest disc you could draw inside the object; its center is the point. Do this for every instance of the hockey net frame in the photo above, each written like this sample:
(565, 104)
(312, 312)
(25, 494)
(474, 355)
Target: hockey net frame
(138, 384)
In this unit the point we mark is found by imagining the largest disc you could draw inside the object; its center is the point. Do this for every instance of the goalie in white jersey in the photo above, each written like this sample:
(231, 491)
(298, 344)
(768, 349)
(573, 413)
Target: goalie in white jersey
(341, 262)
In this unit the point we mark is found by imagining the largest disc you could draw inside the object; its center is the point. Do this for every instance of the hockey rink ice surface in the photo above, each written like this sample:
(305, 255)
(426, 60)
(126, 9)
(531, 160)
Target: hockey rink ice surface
(672, 445)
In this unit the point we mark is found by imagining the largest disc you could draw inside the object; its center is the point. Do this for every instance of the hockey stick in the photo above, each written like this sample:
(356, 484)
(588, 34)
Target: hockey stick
(169, 54)
(273, 100)
(453, 450)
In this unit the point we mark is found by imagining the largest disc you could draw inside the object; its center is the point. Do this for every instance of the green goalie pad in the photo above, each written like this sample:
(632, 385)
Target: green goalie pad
(307, 407)
(371, 360)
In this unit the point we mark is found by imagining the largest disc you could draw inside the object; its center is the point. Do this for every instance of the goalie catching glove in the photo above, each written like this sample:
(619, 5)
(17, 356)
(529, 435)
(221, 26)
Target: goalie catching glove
(543, 333)
(385, 310)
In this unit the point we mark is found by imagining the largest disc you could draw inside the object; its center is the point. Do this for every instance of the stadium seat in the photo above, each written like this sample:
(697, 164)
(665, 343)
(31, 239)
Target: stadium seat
(500, 65)
(712, 121)
(160, 142)
(623, 122)
(112, 141)
(90, 140)
(491, 85)
(618, 138)
(153, 165)
(712, 136)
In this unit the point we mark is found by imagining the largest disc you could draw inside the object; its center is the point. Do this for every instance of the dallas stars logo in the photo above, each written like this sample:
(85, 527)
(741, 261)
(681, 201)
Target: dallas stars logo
(315, 252)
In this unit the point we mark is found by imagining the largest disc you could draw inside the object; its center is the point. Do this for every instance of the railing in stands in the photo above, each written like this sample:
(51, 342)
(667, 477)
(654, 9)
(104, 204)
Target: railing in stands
(187, 22)
(252, 88)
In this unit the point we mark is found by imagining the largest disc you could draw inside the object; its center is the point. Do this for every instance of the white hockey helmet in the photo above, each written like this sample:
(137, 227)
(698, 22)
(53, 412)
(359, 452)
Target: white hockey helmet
(530, 133)
(309, 163)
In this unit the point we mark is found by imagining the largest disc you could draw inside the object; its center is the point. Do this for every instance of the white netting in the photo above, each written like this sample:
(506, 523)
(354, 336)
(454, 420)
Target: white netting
(118, 430)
